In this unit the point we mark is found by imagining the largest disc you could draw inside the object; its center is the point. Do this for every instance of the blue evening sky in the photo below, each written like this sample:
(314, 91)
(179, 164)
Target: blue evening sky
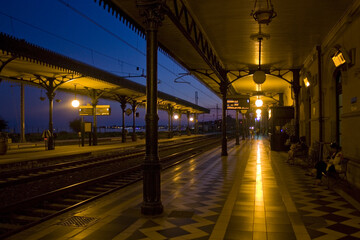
(60, 28)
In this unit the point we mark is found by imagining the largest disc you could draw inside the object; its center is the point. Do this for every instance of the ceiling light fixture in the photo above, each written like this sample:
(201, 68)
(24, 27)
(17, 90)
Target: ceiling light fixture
(75, 103)
(258, 102)
(263, 11)
(259, 76)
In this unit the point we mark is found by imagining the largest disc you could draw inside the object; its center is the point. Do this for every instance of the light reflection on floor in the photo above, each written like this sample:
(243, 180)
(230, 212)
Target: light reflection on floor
(259, 212)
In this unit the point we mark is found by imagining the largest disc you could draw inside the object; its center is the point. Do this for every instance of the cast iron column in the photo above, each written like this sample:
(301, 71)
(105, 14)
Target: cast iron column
(243, 126)
(170, 116)
(51, 94)
(188, 123)
(296, 89)
(94, 102)
(223, 89)
(134, 106)
(281, 99)
(152, 11)
(22, 113)
(196, 123)
(123, 107)
(179, 122)
(237, 127)
(172, 123)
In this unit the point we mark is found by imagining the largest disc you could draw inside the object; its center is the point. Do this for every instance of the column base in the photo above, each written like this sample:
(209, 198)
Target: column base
(224, 153)
(152, 208)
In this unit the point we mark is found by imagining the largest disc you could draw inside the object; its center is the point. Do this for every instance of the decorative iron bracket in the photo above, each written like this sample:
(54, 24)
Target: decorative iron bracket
(181, 17)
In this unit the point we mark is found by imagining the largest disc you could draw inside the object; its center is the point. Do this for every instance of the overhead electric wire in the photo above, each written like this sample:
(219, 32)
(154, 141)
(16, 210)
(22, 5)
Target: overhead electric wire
(122, 40)
(100, 53)
(67, 40)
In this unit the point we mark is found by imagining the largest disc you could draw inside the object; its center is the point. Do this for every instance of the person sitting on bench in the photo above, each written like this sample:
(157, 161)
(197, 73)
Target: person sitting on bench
(334, 161)
(298, 149)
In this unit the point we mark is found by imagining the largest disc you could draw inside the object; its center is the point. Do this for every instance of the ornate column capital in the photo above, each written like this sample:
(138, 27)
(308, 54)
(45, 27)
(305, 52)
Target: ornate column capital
(152, 11)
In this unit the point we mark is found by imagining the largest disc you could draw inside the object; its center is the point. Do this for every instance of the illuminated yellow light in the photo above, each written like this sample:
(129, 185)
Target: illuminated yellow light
(269, 113)
(258, 111)
(176, 116)
(75, 103)
(338, 59)
(191, 119)
(258, 102)
(306, 82)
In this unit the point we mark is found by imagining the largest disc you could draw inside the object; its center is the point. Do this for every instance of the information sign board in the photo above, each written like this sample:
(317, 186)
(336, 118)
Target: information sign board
(238, 104)
(101, 110)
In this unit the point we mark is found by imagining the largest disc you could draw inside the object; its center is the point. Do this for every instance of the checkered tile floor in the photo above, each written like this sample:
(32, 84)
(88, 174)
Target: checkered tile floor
(250, 194)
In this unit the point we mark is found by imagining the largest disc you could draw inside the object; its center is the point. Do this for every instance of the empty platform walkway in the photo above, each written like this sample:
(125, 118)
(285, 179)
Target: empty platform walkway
(250, 194)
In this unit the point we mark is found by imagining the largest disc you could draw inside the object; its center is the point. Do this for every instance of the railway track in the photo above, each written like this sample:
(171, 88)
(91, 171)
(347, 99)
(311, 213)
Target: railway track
(12, 178)
(24, 214)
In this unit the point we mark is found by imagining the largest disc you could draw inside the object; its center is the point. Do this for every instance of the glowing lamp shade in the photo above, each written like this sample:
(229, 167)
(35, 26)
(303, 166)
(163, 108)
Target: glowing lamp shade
(75, 103)
(338, 59)
(258, 102)
(259, 77)
(306, 82)
(176, 116)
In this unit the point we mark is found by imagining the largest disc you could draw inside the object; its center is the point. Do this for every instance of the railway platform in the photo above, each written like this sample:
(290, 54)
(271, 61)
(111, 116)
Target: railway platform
(22, 154)
(249, 194)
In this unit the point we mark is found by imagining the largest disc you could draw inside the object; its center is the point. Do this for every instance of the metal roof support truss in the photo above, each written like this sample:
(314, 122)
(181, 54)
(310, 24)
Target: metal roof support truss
(180, 16)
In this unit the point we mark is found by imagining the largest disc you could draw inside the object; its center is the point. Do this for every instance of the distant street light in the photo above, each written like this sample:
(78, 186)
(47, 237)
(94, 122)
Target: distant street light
(176, 116)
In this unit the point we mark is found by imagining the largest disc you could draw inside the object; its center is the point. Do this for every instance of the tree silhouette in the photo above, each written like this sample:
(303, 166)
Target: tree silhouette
(75, 125)
(3, 124)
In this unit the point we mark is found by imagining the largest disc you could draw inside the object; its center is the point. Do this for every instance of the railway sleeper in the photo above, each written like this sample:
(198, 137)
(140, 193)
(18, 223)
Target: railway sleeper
(19, 219)
(6, 227)
(71, 201)
(102, 188)
(56, 206)
(40, 212)
(110, 185)
(80, 196)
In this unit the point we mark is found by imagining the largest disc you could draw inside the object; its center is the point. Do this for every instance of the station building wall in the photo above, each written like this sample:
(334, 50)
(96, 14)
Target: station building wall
(345, 36)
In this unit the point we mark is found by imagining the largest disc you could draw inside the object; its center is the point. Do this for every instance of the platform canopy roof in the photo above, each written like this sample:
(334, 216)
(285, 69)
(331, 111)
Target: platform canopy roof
(30, 64)
(212, 38)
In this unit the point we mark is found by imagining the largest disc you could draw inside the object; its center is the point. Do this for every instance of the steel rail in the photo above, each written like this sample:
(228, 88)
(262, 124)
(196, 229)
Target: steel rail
(22, 215)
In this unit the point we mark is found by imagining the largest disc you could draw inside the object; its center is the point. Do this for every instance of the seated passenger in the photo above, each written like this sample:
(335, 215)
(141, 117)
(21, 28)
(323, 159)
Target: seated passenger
(320, 168)
(333, 164)
(297, 149)
(334, 161)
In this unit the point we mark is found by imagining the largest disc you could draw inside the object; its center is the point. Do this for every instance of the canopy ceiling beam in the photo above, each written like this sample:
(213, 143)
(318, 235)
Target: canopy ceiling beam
(181, 17)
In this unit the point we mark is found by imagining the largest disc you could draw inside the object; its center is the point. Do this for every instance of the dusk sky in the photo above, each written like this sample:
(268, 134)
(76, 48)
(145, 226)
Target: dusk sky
(85, 32)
